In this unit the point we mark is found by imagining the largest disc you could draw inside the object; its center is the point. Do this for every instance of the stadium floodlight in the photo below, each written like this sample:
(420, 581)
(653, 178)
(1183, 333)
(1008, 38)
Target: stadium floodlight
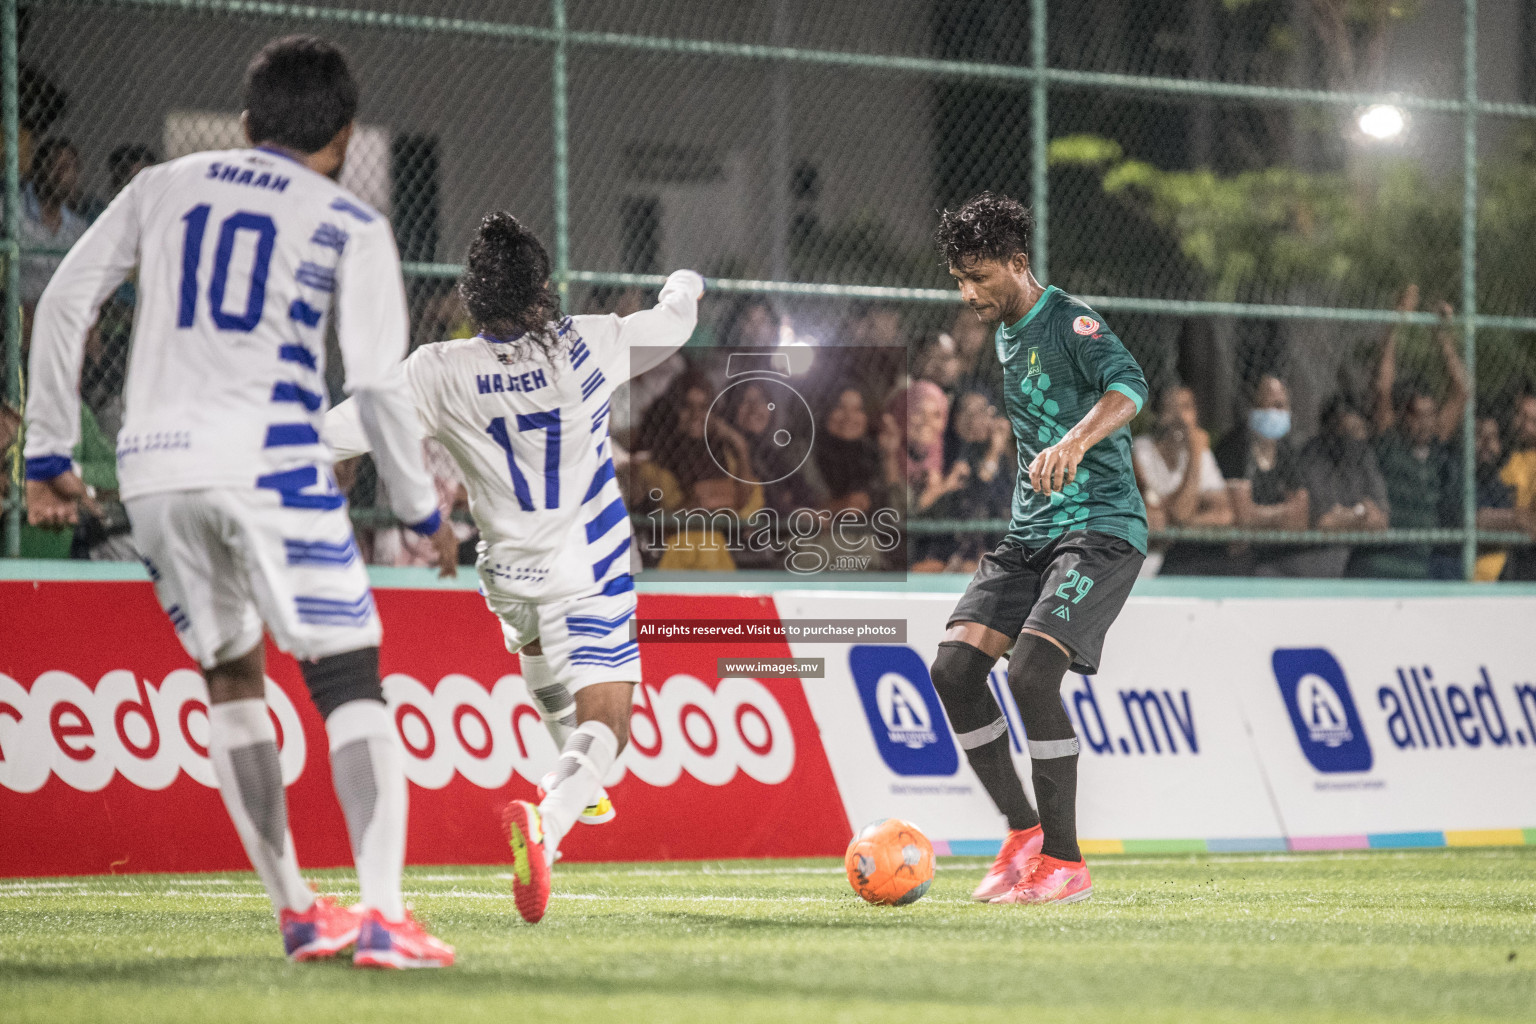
(1382, 122)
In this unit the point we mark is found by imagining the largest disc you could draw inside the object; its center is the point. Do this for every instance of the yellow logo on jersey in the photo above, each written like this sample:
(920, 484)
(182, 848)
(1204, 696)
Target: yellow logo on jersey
(1034, 363)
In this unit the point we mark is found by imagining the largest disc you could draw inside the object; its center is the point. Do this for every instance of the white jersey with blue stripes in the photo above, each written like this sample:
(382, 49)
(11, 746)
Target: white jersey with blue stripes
(531, 435)
(241, 255)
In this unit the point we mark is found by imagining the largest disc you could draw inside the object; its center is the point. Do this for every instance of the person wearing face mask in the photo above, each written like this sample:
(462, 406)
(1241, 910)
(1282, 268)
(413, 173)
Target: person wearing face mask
(1344, 486)
(1263, 474)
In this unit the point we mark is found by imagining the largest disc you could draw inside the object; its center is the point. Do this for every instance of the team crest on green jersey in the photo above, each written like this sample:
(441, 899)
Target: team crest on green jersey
(1034, 363)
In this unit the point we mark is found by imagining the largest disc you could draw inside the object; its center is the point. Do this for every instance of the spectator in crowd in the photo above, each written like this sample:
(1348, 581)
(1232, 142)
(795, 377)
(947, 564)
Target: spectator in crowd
(752, 323)
(873, 326)
(10, 433)
(1344, 486)
(438, 313)
(46, 221)
(776, 433)
(847, 457)
(619, 301)
(1180, 481)
(922, 411)
(1263, 474)
(980, 441)
(1496, 509)
(979, 370)
(858, 472)
(682, 473)
(937, 361)
(1519, 473)
(123, 163)
(126, 161)
(1421, 469)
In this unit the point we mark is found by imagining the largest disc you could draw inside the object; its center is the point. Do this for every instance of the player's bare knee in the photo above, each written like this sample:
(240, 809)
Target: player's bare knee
(532, 648)
(608, 703)
(244, 678)
(338, 679)
(983, 638)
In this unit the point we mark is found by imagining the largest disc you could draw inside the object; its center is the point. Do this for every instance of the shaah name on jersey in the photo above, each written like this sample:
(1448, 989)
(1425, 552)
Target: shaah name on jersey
(498, 383)
(245, 176)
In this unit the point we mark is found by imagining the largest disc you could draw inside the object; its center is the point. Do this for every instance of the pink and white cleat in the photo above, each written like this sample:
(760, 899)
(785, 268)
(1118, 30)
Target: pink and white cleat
(399, 945)
(1008, 868)
(323, 930)
(530, 862)
(1049, 880)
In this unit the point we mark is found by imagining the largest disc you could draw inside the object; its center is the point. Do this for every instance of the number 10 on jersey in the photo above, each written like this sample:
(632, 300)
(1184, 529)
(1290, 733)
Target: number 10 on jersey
(192, 254)
(549, 422)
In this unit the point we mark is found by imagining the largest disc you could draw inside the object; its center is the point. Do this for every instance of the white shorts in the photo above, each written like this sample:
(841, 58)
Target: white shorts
(586, 639)
(225, 561)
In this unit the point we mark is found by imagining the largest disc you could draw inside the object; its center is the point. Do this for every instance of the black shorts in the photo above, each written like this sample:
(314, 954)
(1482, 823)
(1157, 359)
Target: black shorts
(1071, 589)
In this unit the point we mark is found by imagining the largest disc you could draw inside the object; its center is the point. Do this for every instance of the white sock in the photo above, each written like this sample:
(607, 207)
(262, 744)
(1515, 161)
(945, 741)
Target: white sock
(556, 705)
(369, 773)
(242, 747)
(587, 756)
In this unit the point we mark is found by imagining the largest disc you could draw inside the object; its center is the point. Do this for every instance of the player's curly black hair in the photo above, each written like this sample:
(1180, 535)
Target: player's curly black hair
(987, 227)
(505, 286)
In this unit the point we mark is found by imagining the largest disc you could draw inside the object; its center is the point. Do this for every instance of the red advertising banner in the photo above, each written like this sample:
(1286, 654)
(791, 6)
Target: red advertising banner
(103, 731)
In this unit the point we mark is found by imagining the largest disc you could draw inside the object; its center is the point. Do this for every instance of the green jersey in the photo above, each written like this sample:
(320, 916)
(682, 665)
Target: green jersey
(1057, 363)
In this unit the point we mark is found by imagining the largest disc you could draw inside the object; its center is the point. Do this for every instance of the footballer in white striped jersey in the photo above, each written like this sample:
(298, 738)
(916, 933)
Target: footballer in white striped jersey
(241, 256)
(523, 407)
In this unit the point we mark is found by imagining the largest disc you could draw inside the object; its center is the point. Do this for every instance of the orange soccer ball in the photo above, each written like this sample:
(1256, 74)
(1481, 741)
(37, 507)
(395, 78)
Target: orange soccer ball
(890, 862)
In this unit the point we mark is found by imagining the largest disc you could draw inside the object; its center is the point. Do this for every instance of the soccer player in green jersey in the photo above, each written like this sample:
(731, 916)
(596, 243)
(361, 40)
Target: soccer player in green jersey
(1078, 536)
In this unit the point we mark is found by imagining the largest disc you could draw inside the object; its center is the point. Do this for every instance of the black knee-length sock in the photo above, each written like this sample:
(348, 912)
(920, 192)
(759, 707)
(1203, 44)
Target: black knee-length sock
(1035, 672)
(960, 676)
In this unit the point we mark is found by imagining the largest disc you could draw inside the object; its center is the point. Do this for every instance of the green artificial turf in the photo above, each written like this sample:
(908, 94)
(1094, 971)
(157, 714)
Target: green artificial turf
(1421, 935)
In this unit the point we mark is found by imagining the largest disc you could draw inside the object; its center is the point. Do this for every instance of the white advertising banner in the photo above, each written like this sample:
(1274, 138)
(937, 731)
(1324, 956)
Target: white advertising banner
(1227, 724)
(1165, 752)
(1382, 718)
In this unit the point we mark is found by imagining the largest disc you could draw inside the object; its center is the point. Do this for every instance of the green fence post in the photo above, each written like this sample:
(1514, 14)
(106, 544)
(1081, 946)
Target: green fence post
(1469, 291)
(8, 102)
(1040, 139)
(562, 182)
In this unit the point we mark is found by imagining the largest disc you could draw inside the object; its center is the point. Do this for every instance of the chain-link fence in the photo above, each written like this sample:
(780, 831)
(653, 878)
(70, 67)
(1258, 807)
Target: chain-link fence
(1258, 193)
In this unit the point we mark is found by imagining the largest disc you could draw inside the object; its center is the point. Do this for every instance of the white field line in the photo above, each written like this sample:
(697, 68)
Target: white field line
(492, 896)
(1105, 862)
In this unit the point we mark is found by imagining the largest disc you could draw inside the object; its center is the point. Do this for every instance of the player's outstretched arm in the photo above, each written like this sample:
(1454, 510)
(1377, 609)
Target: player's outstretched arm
(371, 327)
(97, 264)
(664, 328)
(344, 431)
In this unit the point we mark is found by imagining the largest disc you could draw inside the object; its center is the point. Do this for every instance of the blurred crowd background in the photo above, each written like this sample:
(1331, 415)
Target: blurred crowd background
(1275, 203)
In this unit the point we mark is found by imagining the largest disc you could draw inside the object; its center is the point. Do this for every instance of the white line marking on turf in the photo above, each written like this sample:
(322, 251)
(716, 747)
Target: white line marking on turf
(588, 897)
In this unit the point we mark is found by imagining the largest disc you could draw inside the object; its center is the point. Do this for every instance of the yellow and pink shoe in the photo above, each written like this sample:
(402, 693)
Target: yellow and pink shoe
(1050, 880)
(530, 862)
